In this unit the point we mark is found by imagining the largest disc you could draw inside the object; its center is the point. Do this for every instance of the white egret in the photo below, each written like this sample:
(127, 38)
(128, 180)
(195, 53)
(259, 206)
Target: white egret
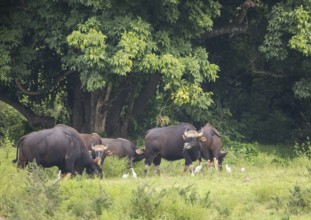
(198, 169)
(133, 173)
(228, 168)
(125, 175)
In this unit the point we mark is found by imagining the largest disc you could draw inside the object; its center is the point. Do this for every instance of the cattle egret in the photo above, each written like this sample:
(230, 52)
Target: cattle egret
(133, 173)
(242, 169)
(59, 175)
(125, 175)
(228, 168)
(198, 169)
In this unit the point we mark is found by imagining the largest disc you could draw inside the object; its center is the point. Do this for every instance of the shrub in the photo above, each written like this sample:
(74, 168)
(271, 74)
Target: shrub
(242, 151)
(114, 167)
(39, 198)
(297, 201)
(303, 149)
(12, 123)
(145, 201)
(169, 203)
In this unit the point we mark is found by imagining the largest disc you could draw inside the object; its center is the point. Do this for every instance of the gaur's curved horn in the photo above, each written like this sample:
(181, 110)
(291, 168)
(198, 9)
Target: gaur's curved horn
(105, 147)
(186, 132)
(191, 133)
(201, 133)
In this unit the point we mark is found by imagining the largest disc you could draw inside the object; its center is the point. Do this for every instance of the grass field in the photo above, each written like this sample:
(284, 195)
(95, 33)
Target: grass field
(273, 186)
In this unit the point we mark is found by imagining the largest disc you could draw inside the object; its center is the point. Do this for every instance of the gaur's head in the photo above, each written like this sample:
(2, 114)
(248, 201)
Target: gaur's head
(190, 139)
(100, 151)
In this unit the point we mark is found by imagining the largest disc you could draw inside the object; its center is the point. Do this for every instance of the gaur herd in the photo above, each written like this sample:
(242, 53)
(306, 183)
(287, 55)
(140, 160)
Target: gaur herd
(73, 152)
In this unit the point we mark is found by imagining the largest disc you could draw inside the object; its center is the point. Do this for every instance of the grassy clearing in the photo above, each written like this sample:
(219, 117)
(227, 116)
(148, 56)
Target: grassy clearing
(272, 187)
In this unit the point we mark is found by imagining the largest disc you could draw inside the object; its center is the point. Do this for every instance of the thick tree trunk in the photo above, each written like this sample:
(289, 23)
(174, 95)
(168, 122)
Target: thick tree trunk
(34, 119)
(81, 105)
(147, 92)
(130, 104)
(110, 111)
(116, 111)
(102, 109)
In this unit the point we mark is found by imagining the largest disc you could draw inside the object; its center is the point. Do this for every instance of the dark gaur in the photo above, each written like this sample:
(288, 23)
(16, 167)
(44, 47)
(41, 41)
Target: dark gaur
(171, 144)
(59, 146)
(121, 148)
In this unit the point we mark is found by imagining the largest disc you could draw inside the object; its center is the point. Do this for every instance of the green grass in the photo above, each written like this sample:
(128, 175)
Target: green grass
(274, 186)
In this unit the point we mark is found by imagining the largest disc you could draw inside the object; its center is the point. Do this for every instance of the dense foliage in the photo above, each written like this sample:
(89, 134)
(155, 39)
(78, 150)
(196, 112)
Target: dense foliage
(119, 67)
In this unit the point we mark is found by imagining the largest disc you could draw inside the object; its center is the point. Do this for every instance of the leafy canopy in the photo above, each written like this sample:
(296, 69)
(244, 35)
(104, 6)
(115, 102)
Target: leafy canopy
(116, 43)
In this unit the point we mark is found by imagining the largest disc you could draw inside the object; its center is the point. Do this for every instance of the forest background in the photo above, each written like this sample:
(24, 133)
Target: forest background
(119, 68)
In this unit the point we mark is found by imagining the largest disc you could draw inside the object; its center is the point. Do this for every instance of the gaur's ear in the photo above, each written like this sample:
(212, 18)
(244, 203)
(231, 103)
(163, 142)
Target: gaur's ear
(222, 155)
(203, 139)
(139, 151)
(109, 152)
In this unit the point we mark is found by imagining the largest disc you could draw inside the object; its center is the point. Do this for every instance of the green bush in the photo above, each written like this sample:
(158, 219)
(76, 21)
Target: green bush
(174, 202)
(12, 123)
(39, 197)
(145, 202)
(297, 203)
(240, 152)
(303, 149)
(114, 167)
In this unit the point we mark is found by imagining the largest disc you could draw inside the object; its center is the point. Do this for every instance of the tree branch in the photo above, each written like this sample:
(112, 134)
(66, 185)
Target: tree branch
(263, 72)
(230, 29)
(49, 88)
(33, 118)
(238, 26)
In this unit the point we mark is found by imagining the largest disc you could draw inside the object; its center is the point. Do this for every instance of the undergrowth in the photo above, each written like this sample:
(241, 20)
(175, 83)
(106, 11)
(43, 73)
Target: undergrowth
(273, 186)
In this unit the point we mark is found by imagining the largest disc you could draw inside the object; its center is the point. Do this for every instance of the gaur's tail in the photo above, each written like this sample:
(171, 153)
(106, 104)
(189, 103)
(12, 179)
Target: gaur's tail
(17, 146)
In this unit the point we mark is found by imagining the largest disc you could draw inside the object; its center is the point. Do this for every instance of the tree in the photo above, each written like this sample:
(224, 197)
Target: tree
(109, 57)
(264, 73)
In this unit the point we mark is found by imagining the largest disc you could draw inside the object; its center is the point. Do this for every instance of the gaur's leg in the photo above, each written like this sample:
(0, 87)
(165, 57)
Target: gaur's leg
(129, 164)
(157, 162)
(208, 157)
(68, 166)
(199, 167)
(149, 159)
(216, 164)
(216, 154)
(22, 161)
(188, 163)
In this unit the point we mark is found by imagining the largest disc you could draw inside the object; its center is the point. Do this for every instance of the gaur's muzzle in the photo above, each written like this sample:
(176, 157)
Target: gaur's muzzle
(187, 146)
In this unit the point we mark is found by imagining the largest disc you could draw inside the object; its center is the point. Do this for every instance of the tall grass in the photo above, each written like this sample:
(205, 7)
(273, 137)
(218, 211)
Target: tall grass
(273, 186)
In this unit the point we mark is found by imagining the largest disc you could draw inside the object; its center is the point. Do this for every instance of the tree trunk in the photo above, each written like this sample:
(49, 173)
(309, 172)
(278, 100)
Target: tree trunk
(102, 107)
(110, 111)
(130, 103)
(34, 119)
(115, 112)
(81, 107)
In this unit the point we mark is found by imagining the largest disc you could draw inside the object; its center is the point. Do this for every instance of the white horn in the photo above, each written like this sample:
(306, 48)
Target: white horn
(201, 133)
(186, 132)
